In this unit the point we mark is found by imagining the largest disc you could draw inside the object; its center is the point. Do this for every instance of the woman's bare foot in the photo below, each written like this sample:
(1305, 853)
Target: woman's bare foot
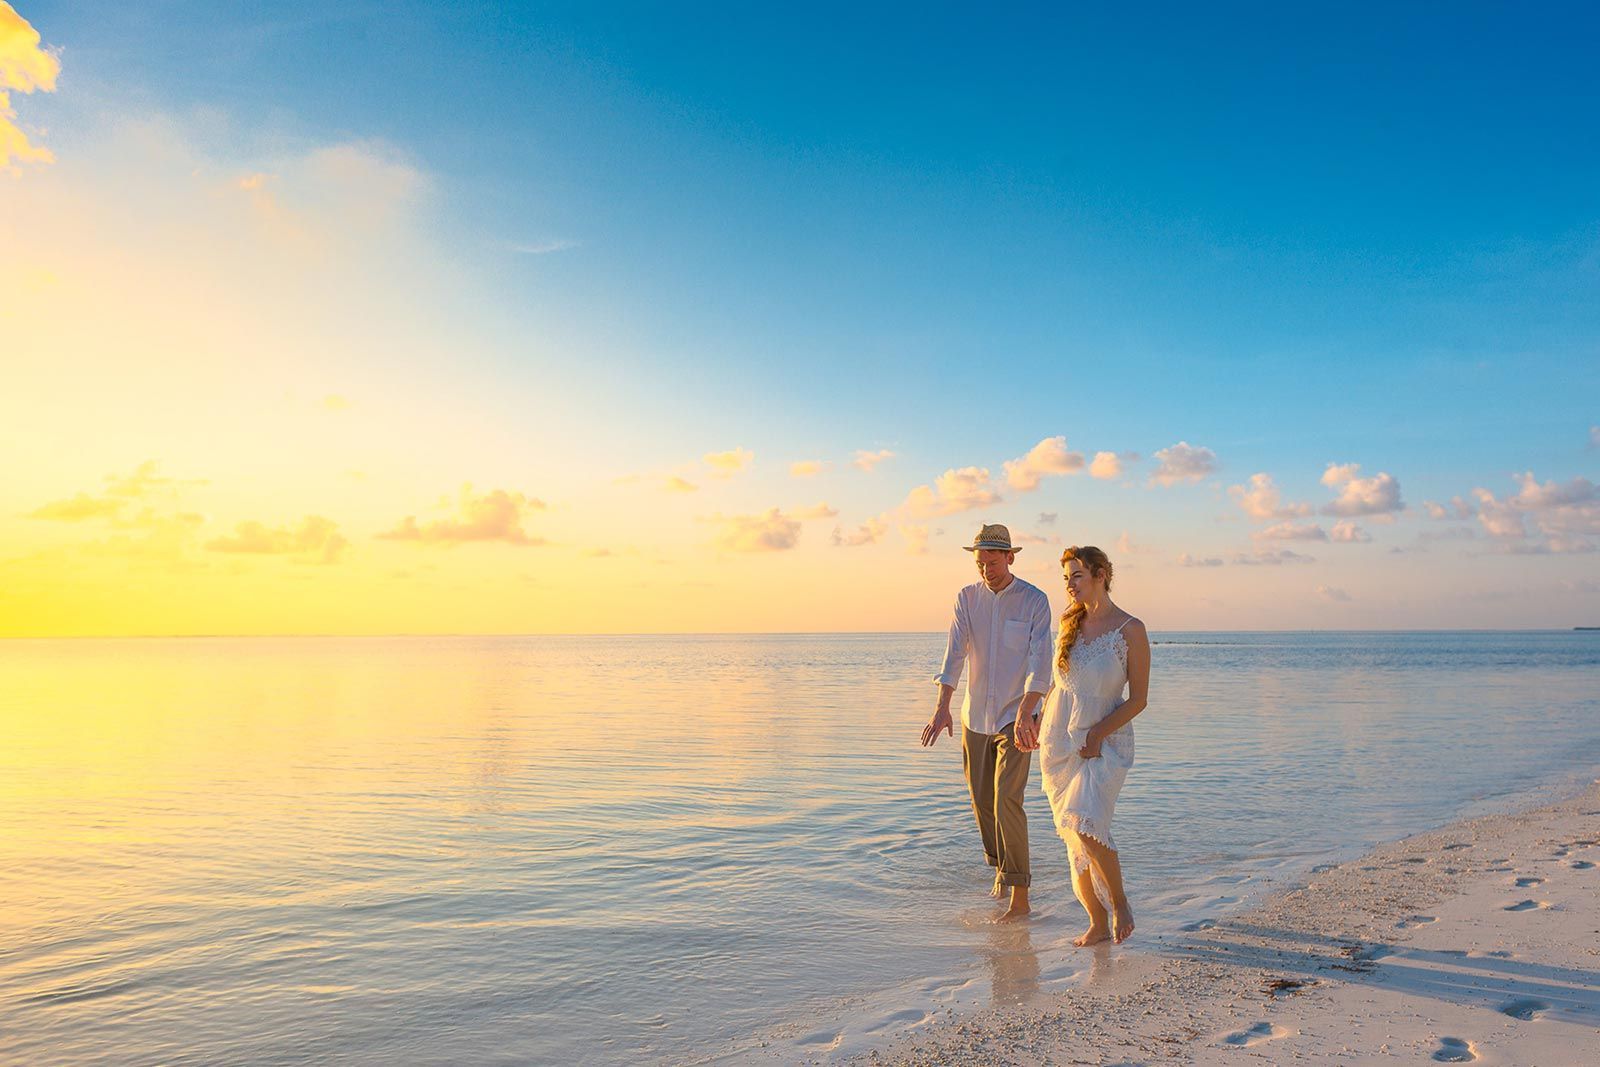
(1121, 922)
(1092, 936)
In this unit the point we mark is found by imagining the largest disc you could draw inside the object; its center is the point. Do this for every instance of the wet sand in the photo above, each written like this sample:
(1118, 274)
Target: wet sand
(1478, 942)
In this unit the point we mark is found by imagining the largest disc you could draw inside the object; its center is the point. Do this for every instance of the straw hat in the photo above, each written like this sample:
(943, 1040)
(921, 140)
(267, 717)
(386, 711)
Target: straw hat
(993, 536)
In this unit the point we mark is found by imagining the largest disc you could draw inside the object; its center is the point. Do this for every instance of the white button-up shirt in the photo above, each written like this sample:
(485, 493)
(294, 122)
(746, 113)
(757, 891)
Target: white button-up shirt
(1006, 638)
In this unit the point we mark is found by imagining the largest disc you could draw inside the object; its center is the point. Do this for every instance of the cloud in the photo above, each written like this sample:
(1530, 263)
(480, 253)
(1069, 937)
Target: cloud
(25, 68)
(1183, 462)
(543, 248)
(495, 516)
(1262, 500)
(1291, 531)
(1048, 457)
(916, 536)
(868, 533)
(1347, 532)
(1566, 516)
(316, 537)
(335, 402)
(1594, 437)
(771, 531)
(1125, 545)
(1328, 592)
(1456, 510)
(954, 491)
(675, 484)
(868, 460)
(1106, 465)
(727, 464)
(1378, 495)
(1269, 558)
(81, 507)
(1186, 560)
(1048, 518)
(817, 511)
(807, 468)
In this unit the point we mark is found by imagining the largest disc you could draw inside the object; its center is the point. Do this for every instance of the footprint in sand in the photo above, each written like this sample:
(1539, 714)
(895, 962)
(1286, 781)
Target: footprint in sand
(1581, 865)
(1526, 905)
(1455, 1050)
(1452, 848)
(1256, 1034)
(1529, 883)
(1526, 1008)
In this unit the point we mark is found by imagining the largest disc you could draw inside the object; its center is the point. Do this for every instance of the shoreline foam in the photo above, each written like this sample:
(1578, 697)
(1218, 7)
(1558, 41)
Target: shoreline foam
(1478, 941)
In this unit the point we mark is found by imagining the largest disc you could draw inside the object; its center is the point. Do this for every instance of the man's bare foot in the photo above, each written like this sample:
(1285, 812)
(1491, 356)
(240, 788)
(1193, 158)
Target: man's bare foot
(1014, 912)
(1121, 923)
(1092, 936)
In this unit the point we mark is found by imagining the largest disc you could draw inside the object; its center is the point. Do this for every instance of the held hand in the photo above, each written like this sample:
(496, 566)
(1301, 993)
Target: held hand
(940, 721)
(1026, 732)
(1091, 746)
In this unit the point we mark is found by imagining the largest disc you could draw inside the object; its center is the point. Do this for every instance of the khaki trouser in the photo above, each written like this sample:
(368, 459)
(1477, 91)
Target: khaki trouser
(997, 774)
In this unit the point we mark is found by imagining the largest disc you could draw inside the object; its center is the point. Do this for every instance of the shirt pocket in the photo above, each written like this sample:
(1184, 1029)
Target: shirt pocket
(1014, 635)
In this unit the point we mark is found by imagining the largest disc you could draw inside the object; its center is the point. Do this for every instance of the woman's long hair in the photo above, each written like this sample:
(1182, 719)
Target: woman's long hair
(1099, 565)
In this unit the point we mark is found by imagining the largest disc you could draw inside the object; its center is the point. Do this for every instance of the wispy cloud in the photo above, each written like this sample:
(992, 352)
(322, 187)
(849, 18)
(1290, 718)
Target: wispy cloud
(78, 508)
(1048, 457)
(543, 248)
(868, 460)
(807, 468)
(771, 531)
(727, 464)
(1329, 592)
(868, 533)
(674, 484)
(1186, 560)
(315, 538)
(1269, 558)
(25, 67)
(1292, 531)
(494, 516)
(816, 511)
(1183, 462)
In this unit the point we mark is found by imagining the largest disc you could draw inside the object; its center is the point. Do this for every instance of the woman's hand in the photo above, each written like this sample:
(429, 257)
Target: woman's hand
(1091, 744)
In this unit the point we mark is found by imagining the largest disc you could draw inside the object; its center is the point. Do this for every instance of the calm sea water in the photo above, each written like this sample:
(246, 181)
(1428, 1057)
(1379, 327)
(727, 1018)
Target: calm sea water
(623, 849)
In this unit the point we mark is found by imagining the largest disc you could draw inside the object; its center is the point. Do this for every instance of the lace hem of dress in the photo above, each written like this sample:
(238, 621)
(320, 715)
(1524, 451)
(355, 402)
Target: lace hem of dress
(1071, 823)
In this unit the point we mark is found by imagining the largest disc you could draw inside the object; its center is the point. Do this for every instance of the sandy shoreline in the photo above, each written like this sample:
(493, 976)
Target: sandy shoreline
(1476, 942)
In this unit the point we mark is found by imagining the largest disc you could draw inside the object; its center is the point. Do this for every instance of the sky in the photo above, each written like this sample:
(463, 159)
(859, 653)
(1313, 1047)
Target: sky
(394, 318)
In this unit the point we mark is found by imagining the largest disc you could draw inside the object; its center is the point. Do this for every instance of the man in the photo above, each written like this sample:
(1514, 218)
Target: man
(1001, 631)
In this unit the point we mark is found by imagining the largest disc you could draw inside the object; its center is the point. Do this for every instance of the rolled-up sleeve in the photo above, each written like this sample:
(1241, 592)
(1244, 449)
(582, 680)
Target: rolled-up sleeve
(955, 649)
(1040, 648)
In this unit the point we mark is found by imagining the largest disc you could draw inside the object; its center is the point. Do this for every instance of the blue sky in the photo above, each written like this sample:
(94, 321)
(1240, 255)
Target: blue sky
(1344, 234)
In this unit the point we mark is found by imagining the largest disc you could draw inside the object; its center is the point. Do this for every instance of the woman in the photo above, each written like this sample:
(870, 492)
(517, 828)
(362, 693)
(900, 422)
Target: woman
(1085, 740)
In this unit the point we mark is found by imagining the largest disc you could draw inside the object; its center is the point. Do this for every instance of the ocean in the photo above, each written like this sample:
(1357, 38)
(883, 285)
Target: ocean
(661, 849)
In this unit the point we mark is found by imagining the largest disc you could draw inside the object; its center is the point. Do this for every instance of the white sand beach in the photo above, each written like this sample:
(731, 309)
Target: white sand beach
(1478, 942)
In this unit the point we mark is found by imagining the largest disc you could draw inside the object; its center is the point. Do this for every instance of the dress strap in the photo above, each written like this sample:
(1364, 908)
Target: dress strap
(1125, 622)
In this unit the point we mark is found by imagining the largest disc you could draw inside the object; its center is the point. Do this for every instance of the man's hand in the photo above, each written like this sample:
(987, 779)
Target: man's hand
(940, 721)
(1026, 732)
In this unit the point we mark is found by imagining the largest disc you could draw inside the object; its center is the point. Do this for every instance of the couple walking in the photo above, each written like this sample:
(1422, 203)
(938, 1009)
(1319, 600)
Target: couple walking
(1064, 699)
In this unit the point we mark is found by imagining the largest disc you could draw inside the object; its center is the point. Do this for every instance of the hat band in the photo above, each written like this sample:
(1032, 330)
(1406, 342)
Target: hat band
(1006, 545)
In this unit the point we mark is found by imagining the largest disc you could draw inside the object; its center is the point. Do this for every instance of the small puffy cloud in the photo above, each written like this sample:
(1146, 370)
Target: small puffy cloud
(954, 491)
(1106, 465)
(25, 67)
(1262, 500)
(1048, 457)
(1378, 495)
(727, 464)
(1329, 592)
(807, 468)
(494, 516)
(1183, 462)
(1292, 531)
(1186, 560)
(1125, 545)
(81, 507)
(1594, 437)
(916, 536)
(675, 484)
(868, 533)
(316, 537)
(142, 482)
(1269, 558)
(1048, 518)
(771, 531)
(1349, 533)
(817, 511)
(335, 402)
(868, 460)
(1457, 509)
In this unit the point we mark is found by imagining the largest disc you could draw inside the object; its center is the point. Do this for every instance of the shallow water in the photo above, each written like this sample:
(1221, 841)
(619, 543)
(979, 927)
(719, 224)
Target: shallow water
(609, 849)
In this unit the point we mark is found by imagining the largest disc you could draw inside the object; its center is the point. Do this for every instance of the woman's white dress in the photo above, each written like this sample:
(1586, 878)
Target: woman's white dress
(1083, 792)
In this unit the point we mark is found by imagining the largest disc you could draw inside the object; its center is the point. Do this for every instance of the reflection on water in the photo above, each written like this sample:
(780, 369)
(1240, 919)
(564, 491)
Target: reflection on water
(602, 849)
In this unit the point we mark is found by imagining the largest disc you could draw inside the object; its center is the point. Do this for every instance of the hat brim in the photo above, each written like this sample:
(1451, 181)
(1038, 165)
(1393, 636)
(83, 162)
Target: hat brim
(994, 545)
